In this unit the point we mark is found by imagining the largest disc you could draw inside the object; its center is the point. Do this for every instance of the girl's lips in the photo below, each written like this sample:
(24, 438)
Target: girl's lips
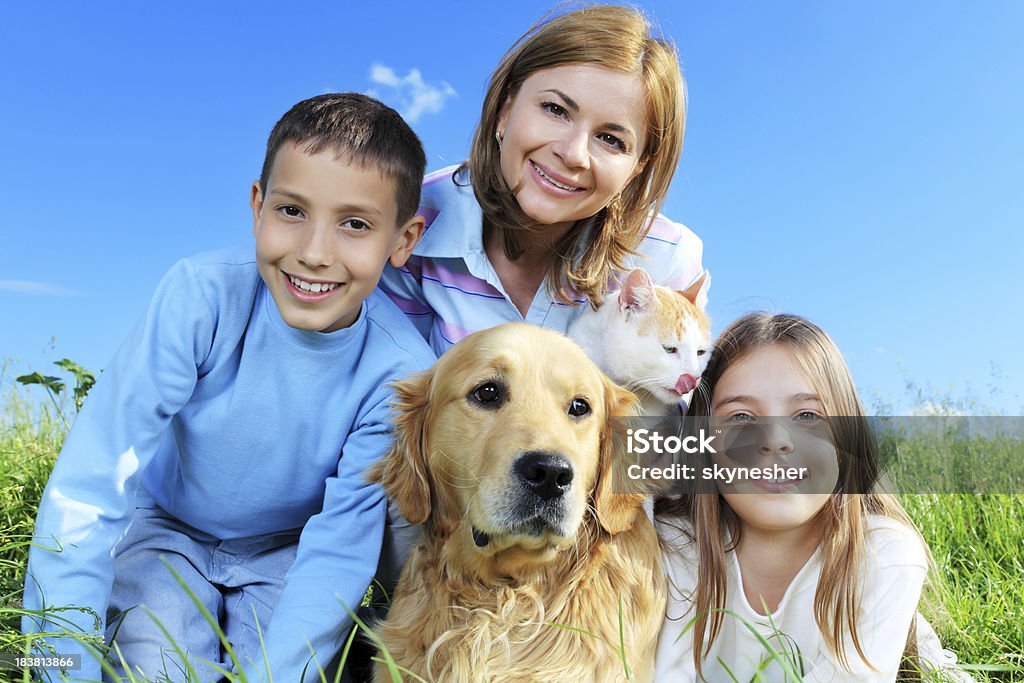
(546, 180)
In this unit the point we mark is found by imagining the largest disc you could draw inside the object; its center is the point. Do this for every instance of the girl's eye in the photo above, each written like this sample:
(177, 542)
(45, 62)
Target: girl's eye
(612, 141)
(741, 418)
(669, 349)
(291, 211)
(357, 225)
(807, 416)
(579, 407)
(553, 108)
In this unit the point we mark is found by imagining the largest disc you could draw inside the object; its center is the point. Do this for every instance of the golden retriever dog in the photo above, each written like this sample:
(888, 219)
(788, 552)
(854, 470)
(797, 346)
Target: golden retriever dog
(531, 567)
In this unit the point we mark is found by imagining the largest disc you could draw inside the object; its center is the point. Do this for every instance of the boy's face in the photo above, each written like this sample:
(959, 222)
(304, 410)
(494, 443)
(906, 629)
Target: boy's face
(325, 227)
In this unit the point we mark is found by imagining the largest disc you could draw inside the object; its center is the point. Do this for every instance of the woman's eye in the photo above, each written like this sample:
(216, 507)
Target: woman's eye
(291, 211)
(807, 416)
(741, 418)
(553, 108)
(669, 349)
(612, 141)
(579, 407)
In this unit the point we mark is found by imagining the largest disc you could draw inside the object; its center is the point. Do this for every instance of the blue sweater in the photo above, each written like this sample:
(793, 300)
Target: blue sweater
(238, 425)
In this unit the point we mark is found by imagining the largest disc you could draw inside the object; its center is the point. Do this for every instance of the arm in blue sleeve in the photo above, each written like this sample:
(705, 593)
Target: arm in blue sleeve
(89, 499)
(405, 287)
(336, 559)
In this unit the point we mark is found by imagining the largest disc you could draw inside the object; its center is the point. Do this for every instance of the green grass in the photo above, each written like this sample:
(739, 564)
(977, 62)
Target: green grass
(977, 541)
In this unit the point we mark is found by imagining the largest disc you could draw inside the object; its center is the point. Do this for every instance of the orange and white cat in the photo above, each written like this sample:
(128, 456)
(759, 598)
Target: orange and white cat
(650, 339)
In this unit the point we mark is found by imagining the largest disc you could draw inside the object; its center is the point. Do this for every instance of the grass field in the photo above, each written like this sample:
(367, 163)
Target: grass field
(977, 542)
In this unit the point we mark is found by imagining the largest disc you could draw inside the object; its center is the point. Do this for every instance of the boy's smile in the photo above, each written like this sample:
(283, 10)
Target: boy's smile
(324, 229)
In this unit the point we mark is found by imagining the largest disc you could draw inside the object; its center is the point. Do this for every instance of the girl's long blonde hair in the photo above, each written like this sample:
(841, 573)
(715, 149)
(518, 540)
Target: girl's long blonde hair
(843, 518)
(617, 38)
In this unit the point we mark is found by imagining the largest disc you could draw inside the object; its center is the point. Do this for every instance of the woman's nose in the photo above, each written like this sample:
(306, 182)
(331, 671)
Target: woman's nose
(573, 149)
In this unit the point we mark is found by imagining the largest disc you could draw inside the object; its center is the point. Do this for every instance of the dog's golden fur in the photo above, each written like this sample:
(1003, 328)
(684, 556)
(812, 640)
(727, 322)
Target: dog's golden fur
(495, 594)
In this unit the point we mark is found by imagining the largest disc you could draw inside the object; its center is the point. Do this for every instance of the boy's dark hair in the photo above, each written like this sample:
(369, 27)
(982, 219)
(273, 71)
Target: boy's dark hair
(365, 130)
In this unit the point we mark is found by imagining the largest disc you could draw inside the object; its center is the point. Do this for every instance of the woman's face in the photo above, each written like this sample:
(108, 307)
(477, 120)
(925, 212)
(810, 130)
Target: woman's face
(571, 140)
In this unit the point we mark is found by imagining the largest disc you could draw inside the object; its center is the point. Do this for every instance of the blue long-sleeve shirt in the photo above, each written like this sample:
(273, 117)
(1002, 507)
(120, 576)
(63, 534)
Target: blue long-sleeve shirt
(238, 425)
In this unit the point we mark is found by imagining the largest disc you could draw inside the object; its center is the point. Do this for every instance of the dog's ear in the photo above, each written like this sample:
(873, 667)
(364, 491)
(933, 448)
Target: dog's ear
(616, 512)
(403, 471)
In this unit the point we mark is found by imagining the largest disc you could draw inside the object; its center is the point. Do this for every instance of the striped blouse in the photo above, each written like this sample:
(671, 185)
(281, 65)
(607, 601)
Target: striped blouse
(449, 288)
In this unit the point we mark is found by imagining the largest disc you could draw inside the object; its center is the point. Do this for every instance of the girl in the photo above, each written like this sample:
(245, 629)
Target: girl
(827, 571)
(580, 133)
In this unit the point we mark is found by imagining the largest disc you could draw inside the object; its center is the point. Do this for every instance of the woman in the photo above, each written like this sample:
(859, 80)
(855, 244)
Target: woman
(580, 133)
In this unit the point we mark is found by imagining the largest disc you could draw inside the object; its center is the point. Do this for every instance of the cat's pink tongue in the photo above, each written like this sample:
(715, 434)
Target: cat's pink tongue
(685, 384)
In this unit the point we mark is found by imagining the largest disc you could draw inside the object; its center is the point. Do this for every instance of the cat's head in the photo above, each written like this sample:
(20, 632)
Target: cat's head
(664, 335)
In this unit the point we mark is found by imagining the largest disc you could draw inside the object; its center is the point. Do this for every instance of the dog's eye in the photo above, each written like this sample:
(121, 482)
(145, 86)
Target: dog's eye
(670, 349)
(701, 352)
(488, 394)
(579, 407)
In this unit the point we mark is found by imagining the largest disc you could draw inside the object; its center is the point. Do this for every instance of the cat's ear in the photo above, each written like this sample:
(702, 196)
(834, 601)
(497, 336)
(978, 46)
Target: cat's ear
(697, 292)
(637, 292)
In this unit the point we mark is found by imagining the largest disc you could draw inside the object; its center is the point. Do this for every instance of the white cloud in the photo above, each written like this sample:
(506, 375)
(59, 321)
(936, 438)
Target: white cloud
(414, 97)
(30, 287)
(933, 409)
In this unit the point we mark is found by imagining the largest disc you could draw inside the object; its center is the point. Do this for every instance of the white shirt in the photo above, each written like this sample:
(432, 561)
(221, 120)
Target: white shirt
(896, 566)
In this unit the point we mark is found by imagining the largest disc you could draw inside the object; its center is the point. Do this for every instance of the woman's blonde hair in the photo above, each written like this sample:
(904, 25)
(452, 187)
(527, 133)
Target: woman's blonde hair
(843, 518)
(617, 38)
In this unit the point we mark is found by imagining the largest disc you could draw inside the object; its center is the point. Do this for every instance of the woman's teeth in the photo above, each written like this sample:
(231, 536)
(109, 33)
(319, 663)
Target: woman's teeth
(554, 182)
(314, 287)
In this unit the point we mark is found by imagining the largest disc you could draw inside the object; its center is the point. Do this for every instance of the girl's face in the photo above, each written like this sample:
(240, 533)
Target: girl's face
(771, 418)
(571, 140)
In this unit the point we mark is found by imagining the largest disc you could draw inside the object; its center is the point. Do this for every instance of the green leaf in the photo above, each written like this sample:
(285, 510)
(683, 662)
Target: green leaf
(54, 384)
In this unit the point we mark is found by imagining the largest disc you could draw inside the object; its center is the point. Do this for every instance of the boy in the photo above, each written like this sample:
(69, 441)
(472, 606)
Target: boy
(244, 409)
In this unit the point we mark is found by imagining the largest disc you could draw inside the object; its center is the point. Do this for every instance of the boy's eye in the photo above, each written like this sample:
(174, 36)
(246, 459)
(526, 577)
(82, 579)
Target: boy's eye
(357, 225)
(553, 108)
(669, 349)
(612, 141)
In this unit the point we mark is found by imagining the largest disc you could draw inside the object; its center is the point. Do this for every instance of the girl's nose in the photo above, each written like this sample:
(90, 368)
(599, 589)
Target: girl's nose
(774, 438)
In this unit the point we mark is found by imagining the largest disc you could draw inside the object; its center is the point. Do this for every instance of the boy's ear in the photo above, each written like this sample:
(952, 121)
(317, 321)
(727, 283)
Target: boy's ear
(256, 204)
(407, 237)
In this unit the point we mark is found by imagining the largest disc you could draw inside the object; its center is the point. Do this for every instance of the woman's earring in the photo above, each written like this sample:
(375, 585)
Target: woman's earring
(498, 137)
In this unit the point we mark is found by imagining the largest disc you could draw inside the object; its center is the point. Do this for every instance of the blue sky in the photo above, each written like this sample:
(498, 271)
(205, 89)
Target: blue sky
(859, 163)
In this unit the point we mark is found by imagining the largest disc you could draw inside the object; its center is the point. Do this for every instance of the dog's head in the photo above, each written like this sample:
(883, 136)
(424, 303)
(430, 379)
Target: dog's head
(509, 438)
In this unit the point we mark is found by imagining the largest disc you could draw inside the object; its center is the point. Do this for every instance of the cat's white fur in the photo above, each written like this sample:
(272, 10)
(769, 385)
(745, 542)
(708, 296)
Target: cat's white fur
(651, 343)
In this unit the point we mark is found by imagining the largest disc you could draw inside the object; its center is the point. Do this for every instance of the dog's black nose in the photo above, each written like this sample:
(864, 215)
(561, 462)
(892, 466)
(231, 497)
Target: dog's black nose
(545, 474)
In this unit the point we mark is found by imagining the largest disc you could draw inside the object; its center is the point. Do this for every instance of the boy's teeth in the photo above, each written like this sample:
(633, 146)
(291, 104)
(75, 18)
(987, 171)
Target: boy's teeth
(554, 182)
(314, 287)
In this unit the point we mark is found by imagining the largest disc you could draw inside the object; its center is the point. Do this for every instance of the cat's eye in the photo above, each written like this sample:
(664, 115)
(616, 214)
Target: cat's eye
(579, 407)
(670, 349)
